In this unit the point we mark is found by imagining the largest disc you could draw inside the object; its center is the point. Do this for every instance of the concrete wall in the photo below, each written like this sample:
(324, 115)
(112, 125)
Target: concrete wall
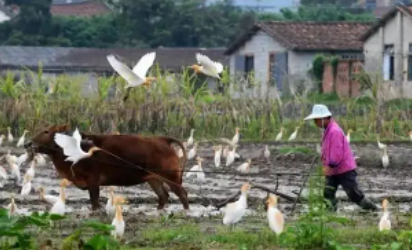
(299, 65)
(87, 82)
(407, 38)
(260, 46)
(396, 31)
(300, 62)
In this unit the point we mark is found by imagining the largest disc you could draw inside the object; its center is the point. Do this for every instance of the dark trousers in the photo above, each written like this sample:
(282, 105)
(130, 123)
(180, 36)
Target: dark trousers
(349, 184)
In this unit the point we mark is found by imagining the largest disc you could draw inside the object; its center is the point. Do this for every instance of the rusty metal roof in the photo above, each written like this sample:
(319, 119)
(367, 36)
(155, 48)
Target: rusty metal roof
(91, 59)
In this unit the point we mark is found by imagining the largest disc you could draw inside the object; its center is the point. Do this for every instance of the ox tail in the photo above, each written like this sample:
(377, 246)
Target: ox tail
(170, 141)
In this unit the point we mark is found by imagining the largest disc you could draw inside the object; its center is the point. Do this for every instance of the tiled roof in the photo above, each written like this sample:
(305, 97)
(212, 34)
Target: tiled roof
(406, 9)
(90, 59)
(310, 36)
(79, 8)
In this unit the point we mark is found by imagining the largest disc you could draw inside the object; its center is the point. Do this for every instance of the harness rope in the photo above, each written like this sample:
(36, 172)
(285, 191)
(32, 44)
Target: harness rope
(125, 161)
(190, 171)
(132, 165)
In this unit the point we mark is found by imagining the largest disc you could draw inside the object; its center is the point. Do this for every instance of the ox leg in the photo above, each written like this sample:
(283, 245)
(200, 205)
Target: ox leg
(181, 193)
(161, 192)
(94, 193)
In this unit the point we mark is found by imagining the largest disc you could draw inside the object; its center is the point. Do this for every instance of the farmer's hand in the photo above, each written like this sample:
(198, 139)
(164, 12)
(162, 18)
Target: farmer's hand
(326, 170)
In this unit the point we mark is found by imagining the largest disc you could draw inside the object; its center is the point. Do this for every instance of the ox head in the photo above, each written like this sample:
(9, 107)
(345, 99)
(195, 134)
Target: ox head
(43, 142)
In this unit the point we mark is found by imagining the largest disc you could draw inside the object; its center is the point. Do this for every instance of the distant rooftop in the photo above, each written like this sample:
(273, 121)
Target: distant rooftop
(91, 59)
(263, 5)
(80, 8)
(309, 36)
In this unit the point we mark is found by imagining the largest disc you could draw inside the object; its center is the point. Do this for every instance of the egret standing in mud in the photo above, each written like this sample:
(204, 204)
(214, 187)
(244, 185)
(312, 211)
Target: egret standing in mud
(2, 137)
(385, 223)
(12, 208)
(118, 221)
(110, 207)
(338, 160)
(10, 137)
(234, 211)
(59, 206)
(275, 217)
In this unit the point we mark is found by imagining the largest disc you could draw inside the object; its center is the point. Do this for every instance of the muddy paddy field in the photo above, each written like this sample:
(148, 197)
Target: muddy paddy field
(288, 160)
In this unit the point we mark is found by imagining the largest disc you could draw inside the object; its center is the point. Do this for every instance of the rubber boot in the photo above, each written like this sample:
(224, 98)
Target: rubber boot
(332, 206)
(367, 204)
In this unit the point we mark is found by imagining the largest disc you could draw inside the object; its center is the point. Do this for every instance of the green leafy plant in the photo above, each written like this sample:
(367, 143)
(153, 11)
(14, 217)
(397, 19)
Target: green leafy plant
(10, 88)
(101, 239)
(317, 70)
(15, 231)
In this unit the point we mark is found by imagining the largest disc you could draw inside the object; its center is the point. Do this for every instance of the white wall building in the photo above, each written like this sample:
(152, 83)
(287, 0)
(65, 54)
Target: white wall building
(280, 54)
(388, 52)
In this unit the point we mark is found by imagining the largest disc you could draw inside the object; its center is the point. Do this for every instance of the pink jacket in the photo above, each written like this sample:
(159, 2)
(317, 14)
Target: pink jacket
(336, 151)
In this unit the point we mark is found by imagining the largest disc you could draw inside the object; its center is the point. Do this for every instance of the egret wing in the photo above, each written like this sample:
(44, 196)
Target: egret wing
(51, 199)
(78, 138)
(124, 71)
(279, 221)
(219, 67)
(208, 64)
(233, 214)
(67, 143)
(144, 64)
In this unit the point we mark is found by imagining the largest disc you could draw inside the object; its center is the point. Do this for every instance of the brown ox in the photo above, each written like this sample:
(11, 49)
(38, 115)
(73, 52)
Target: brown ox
(154, 154)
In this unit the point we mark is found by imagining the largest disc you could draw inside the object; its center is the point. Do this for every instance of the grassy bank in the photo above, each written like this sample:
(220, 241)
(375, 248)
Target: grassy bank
(311, 231)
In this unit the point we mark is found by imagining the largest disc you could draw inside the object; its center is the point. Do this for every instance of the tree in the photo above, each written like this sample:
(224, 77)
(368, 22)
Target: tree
(345, 3)
(140, 21)
(311, 13)
(34, 16)
(183, 23)
(154, 23)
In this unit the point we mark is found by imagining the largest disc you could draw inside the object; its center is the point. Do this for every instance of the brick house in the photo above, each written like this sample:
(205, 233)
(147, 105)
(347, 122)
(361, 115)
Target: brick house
(343, 80)
(388, 52)
(281, 53)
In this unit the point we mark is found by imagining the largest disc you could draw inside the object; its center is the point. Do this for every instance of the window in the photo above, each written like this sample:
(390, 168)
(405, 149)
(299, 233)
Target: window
(278, 68)
(388, 63)
(271, 69)
(351, 56)
(244, 68)
(249, 64)
(410, 63)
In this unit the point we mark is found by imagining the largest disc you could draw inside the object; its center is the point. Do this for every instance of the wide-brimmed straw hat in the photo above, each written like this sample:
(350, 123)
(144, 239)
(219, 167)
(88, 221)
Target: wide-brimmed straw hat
(319, 111)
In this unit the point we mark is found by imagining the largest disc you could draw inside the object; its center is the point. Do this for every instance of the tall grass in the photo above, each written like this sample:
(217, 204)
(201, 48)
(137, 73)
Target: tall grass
(178, 102)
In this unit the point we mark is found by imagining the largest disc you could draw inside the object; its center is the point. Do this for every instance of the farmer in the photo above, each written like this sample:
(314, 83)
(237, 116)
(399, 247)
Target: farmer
(338, 160)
